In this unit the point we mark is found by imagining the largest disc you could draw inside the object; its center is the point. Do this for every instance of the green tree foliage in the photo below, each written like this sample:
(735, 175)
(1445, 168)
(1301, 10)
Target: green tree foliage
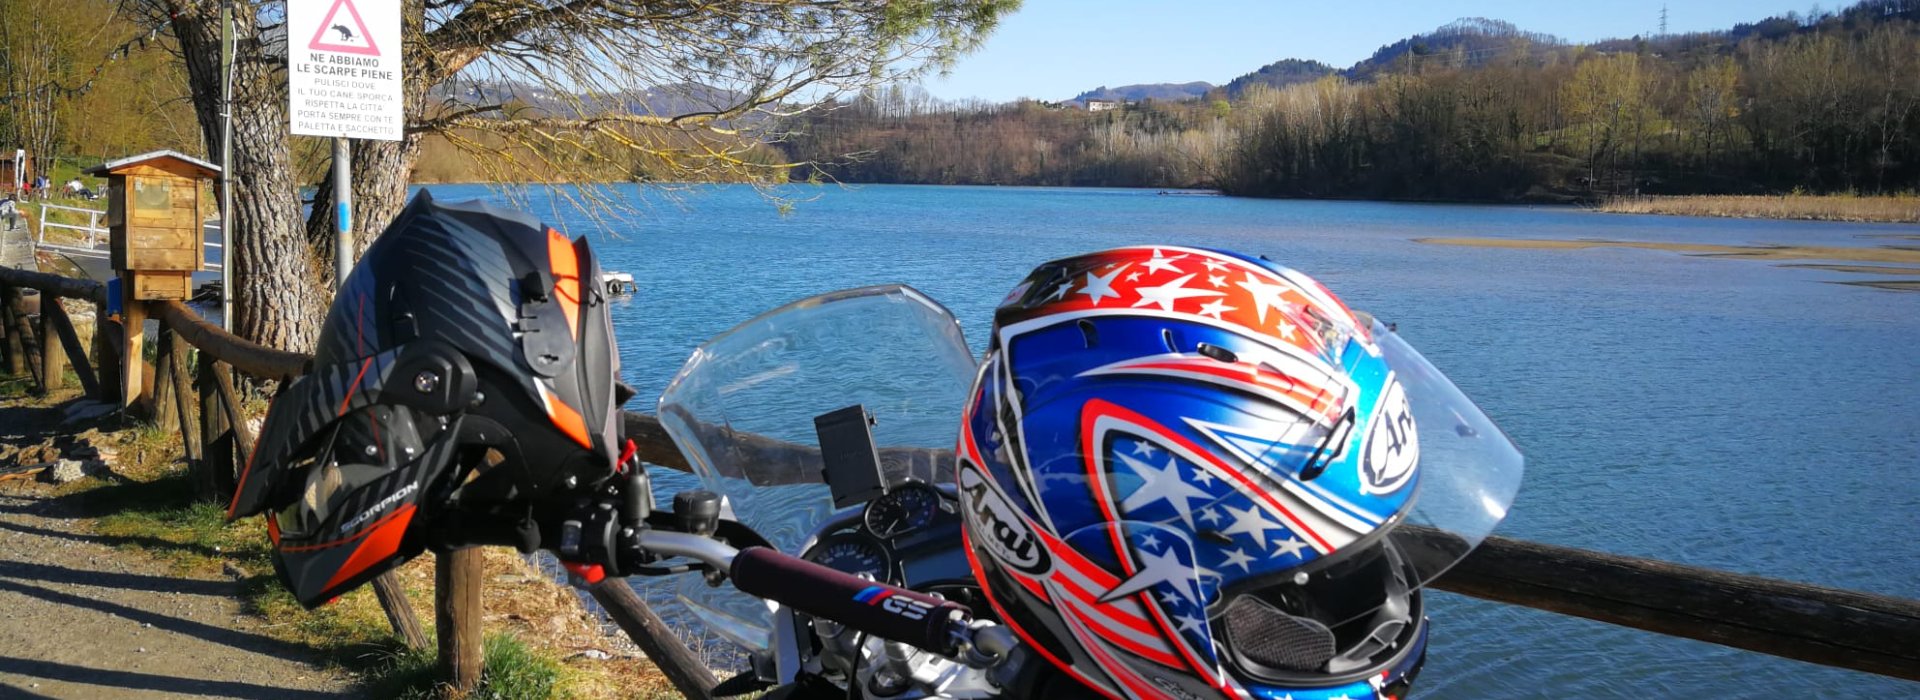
(901, 135)
(82, 81)
(1479, 110)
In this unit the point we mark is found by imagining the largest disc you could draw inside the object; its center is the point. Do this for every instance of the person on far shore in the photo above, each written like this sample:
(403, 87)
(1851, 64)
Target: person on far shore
(77, 189)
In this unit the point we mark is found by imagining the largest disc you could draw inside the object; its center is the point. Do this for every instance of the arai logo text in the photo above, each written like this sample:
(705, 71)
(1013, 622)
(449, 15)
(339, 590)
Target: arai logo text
(1393, 444)
(1005, 532)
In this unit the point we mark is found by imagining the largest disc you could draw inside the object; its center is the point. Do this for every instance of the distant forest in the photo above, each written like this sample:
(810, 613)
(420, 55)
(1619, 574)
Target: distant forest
(1477, 110)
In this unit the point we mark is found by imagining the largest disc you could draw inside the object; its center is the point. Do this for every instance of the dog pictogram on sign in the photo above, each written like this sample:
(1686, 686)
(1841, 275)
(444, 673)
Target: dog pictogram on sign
(343, 32)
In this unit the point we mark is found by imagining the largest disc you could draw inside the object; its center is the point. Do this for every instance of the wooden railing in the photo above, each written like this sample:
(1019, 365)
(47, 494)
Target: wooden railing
(1831, 627)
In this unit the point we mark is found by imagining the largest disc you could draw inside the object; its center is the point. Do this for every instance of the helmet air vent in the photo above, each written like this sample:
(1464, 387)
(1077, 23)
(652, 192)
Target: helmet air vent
(1264, 636)
(1088, 333)
(1219, 353)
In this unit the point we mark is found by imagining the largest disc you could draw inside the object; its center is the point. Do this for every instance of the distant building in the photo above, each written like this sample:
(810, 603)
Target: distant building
(1103, 105)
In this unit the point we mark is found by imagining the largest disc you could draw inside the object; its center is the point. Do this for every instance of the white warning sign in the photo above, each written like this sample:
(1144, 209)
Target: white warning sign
(343, 63)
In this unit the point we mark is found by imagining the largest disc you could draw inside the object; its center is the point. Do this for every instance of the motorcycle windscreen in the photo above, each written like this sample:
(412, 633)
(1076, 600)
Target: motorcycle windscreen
(742, 412)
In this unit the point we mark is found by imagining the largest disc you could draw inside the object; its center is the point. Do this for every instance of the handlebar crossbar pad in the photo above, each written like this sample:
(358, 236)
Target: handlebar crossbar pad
(879, 609)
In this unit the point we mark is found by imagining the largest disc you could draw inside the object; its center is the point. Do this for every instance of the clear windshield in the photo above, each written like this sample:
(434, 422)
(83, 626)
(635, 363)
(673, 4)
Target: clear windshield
(742, 412)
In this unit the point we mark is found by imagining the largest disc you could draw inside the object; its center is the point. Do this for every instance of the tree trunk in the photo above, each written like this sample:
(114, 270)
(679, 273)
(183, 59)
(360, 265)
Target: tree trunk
(279, 299)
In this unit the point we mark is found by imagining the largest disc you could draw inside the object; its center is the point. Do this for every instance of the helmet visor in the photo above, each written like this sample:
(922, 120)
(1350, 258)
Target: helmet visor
(1420, 443)
(1468, 471)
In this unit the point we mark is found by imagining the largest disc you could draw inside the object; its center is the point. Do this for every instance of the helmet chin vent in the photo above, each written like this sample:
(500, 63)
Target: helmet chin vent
(1266, 636)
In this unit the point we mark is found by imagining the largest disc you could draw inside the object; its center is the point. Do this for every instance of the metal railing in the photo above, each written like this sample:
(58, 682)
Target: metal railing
(210, 244)
(96, 235)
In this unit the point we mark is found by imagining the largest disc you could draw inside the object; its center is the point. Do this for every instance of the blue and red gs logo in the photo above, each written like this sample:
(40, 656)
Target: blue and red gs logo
(898, 605)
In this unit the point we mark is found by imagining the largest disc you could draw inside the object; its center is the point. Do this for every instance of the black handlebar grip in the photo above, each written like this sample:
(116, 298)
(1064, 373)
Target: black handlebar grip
(882, 610)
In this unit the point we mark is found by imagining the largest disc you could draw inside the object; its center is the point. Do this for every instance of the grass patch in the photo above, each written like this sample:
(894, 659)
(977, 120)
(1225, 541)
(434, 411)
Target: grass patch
(510, 671)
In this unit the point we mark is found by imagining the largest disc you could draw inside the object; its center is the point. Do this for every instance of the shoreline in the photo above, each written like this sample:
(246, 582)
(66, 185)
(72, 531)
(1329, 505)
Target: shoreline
(1878, 209)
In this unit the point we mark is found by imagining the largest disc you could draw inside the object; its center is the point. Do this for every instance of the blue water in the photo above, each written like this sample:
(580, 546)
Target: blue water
(1726, 413)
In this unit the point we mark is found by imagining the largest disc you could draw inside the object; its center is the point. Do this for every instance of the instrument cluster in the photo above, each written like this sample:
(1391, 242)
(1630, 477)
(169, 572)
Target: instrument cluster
(903, 535)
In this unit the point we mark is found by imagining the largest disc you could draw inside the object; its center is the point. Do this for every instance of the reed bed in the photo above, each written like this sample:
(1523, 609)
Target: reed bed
(1896, 208)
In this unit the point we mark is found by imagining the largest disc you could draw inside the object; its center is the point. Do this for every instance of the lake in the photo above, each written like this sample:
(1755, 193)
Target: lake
(1733, 414)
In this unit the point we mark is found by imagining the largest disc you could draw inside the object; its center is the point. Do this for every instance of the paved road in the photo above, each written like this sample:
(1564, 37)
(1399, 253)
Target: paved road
(16, 247)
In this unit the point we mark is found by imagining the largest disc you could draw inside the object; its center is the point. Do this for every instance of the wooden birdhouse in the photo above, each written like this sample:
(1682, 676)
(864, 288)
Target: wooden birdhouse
(154, 217)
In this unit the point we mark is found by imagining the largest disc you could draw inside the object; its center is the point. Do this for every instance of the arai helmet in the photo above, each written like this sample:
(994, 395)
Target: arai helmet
(1183, 473)
(466, 364)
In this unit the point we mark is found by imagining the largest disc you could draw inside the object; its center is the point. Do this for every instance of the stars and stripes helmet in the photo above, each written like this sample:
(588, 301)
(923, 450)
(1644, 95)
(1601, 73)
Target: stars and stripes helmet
(467, 366)
(1192, 474)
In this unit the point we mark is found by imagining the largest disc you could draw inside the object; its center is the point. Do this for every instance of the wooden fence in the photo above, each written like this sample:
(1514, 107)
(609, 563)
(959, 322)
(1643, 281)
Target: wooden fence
(1831, 627)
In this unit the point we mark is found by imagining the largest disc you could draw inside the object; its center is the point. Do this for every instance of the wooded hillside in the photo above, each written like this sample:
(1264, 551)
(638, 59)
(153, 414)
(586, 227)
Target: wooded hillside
(1481, 110)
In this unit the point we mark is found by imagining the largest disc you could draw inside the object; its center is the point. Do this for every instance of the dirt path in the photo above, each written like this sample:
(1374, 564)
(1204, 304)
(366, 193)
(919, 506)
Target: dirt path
(80, 619)
(16, 247)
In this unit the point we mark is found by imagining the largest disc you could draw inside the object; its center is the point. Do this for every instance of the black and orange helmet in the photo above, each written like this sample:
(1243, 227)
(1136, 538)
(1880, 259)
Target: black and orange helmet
(466, 373)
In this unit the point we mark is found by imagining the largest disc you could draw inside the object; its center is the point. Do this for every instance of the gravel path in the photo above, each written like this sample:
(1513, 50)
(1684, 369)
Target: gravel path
(79, 619)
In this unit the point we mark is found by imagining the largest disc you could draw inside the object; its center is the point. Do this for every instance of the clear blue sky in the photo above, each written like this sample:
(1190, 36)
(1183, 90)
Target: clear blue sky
(1055, 49)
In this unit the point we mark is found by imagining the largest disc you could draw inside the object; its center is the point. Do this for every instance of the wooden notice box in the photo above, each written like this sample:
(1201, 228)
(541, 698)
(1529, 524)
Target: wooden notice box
(155, 214)
(155, 217)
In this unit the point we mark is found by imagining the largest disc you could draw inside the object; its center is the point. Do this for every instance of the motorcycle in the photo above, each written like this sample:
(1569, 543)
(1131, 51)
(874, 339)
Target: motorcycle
(781, 417)
(828, 532)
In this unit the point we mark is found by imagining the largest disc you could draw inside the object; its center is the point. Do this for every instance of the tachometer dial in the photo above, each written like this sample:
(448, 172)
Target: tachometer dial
(908, 507)
(853, 553)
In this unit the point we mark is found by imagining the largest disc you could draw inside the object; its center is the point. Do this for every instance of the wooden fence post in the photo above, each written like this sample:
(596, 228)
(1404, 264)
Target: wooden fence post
(16, 350)
(230, 404)
(21, 329)
(8, 350)
(165, 413)
(456, 593)
(61, 326)
(216, 474)
(183, 404)
(106, 354)
(393, 601)
(133, 322)
(682, 668)
(53, 355)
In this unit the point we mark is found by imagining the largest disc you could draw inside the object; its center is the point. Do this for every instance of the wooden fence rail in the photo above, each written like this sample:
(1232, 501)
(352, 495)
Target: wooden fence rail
(1831, 627)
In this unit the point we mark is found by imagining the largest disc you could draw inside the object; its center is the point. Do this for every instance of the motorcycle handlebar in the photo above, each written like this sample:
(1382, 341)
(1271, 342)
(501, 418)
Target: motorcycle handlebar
(879, 609)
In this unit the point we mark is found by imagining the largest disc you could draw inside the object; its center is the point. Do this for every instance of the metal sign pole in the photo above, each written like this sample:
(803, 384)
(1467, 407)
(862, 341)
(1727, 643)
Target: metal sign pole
(342, 214)
(226, 166)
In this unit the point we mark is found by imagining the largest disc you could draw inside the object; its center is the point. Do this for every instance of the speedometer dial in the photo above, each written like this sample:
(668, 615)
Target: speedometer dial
(908, 507)
(853, 553)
